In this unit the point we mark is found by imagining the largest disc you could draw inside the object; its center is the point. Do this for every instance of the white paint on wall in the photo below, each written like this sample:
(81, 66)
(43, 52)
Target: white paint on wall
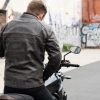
(1, 3)
(19, 5)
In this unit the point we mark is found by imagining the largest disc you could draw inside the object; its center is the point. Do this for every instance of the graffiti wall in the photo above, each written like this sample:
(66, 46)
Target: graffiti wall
(65, 18)
(91, 35)
(91, 23)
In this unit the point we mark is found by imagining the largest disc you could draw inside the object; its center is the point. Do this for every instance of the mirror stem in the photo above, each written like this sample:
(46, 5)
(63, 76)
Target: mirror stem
(66, 54)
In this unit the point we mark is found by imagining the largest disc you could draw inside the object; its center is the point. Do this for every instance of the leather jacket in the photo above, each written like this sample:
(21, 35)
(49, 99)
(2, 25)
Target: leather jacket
(25, 41)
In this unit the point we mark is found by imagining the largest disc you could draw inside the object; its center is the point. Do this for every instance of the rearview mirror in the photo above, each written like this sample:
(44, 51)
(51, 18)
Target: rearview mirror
(75, 49)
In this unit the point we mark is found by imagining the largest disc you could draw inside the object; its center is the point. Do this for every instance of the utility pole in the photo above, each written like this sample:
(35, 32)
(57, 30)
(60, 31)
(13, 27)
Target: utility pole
(5, 4)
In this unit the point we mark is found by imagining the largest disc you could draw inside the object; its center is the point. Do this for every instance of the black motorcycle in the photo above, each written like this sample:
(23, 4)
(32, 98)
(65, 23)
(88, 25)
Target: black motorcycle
(54, 83)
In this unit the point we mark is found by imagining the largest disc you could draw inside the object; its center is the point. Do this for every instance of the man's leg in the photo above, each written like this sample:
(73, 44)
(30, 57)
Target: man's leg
(43, 94)
(39, 93)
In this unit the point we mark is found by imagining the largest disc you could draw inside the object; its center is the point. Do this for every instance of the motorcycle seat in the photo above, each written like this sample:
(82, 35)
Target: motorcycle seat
(15, 97)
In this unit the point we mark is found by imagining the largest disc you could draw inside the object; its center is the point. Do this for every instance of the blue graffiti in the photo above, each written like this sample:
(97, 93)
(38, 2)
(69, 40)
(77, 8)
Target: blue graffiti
(92, 33)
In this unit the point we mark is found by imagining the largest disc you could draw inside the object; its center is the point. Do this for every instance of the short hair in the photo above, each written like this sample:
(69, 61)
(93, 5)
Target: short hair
(36, 7)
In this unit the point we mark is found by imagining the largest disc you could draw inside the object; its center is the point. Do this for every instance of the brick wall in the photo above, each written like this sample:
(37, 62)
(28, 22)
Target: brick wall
(91, 11)
(2, 18)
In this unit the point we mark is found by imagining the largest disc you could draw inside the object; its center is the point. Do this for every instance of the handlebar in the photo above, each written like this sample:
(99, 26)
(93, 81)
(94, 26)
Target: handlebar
(70, 65)
(73, 65)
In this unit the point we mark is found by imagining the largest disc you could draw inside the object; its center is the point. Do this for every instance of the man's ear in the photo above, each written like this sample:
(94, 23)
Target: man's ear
(41, 16)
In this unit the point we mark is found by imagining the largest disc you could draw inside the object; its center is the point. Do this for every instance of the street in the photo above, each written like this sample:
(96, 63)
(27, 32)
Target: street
(85, 83)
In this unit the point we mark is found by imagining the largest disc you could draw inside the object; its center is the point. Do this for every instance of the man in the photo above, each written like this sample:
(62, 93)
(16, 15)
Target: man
(24, 42)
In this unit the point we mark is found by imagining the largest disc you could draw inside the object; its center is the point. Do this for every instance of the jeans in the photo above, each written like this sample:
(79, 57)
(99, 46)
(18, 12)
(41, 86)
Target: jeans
(38, 93)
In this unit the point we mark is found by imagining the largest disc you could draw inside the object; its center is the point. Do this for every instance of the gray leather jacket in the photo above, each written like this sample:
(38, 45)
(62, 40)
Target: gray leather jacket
(25, 41)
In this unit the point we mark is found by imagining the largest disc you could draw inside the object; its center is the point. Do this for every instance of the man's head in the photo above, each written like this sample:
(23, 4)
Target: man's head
(37, 8)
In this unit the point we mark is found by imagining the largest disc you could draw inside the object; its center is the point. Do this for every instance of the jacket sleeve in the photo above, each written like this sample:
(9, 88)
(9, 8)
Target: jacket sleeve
(54, 55)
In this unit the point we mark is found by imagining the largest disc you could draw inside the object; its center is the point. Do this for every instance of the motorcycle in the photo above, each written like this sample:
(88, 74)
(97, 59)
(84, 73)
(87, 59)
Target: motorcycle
(54, 83)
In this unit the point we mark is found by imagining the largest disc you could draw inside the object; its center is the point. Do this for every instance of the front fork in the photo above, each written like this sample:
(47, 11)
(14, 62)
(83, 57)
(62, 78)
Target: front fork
(61, 95)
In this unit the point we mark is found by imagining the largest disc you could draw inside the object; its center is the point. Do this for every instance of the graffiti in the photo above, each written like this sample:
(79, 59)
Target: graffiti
(65, 20)
(92, 32)
(96, 18)
(69, 35)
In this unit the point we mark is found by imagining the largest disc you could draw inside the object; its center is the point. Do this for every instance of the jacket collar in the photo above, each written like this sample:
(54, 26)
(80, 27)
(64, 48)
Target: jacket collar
(29, 15)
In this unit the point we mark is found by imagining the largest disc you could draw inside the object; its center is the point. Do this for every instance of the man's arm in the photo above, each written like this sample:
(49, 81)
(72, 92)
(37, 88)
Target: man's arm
(54, 53)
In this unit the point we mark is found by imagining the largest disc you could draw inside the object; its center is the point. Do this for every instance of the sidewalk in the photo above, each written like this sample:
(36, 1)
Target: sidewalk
(85, 57)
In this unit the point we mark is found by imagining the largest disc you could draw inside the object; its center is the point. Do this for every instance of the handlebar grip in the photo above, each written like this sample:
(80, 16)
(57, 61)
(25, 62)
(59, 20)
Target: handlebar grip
(70, 65)
(74, 65)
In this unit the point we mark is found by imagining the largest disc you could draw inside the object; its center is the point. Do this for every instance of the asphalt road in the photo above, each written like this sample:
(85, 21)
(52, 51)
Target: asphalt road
(85, 83)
